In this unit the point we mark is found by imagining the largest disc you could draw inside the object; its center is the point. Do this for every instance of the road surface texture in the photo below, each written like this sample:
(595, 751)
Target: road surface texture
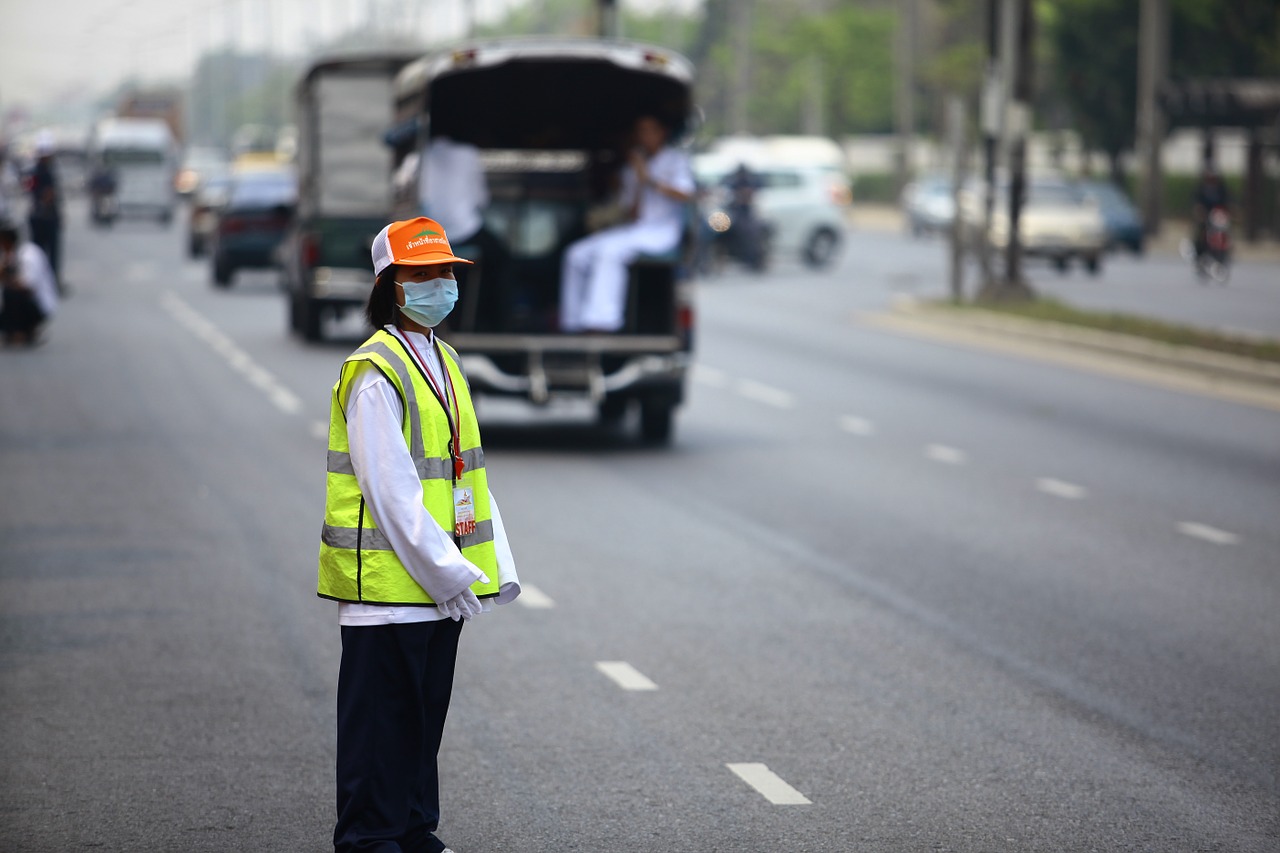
(881, 594)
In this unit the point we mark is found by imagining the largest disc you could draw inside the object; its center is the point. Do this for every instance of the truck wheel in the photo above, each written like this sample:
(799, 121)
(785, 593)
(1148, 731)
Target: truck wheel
(1093, 264)
(222, 272)
(656, 421)
(309, 324)
(611, 411)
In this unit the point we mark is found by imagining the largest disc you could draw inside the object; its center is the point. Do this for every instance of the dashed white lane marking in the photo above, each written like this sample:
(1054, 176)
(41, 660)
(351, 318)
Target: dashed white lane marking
(766, 394)
(534, 598)
(1207, 533)
(857, 426)
(946, 455)
(282, 398)
(624, 674)
(709, 376)
(319, 430)
(1061, 489)
(769, 784)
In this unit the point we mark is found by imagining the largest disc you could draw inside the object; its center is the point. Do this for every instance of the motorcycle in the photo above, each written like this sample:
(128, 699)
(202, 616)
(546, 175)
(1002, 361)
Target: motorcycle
(104, 207)
(1211, 253)
(734, 232)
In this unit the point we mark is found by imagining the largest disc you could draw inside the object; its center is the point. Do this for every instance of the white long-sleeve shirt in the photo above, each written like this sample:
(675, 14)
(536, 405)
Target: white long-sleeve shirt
(452, 188)
(393, 492)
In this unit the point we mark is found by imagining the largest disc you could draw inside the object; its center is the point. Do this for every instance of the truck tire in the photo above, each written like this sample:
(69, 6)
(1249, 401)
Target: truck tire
(309, 325)
(611, 411)
(222, 273)
(657, 417)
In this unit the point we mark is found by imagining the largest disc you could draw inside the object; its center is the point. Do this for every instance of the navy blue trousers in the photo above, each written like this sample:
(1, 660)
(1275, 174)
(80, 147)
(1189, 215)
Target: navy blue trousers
(394, 687)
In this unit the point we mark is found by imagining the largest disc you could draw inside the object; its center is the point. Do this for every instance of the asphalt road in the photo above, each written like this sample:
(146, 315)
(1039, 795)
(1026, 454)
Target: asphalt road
(952, 601)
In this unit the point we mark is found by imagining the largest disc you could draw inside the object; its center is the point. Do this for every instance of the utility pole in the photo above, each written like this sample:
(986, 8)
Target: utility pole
(1153, 67)
(740, 87)
(992, 118)
(607, 23)
(813, 115)
(958, 139)
(1018, 31)
(905, 88)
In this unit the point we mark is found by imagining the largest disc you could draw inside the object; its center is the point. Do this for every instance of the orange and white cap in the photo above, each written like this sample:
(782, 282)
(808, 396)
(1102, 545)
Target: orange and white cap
(413, 242)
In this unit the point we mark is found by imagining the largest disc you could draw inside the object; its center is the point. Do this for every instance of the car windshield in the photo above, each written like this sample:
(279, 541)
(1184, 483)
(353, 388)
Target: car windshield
(265, 189)
(1053, 195)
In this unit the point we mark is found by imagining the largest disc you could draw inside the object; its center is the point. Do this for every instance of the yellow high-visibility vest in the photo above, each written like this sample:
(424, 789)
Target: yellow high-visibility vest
(357, 563)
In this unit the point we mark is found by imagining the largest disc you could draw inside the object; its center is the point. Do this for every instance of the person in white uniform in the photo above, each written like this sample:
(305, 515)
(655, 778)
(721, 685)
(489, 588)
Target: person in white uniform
(656, 186)
(28, 291)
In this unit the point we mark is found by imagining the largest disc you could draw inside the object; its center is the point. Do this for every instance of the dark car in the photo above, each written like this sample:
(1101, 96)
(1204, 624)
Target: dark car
(253, 222)
(207, 200)
(1123, 224)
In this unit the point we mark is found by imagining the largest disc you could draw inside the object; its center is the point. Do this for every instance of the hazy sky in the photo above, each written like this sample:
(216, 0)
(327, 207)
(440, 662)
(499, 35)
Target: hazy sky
(70, 49)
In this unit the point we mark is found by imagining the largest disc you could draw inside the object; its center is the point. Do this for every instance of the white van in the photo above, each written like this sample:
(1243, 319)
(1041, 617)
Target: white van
(142, 156)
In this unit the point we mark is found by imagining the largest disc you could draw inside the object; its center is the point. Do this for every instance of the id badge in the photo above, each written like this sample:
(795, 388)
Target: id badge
(464, 511)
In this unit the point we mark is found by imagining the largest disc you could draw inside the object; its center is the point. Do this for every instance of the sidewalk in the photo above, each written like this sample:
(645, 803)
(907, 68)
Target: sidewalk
(887, 218)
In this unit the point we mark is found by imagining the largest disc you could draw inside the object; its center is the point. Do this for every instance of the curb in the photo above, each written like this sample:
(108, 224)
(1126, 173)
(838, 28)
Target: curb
(1205, 362)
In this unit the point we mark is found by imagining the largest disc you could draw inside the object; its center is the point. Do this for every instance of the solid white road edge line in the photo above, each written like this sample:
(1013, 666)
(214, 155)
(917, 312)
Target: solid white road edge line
(769, 785)
(857, 426)
(766, 394)
(624, 674)
(534, 598)
(1207, 533)
(946, 455)
(239, 360)
(1061, 488)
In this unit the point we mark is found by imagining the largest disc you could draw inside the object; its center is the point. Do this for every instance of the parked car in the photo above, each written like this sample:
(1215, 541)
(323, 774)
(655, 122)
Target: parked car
(929, 205)
(1057, 223)
(207, 200)
(1123, 223)
(252, 223)
(803, 206)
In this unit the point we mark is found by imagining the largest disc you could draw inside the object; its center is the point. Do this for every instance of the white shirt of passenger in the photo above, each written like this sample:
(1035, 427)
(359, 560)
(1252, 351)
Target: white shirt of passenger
(451, 187)
(670, 168)
(393, 492)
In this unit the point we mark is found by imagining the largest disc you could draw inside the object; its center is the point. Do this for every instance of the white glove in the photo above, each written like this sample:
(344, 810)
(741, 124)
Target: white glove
(463, 606)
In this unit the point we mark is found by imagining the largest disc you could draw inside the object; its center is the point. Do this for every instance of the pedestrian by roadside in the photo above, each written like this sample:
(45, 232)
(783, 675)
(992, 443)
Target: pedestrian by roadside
(45, 214)
(28, 296)
(412, 546)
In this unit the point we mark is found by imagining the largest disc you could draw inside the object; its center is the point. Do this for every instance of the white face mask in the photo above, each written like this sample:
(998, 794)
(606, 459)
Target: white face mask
(429, 302)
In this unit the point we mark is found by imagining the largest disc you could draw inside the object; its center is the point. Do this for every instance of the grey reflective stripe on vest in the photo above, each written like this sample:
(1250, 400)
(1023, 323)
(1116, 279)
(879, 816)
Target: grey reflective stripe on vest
(373, 539)
(396, 361)
(428, 469)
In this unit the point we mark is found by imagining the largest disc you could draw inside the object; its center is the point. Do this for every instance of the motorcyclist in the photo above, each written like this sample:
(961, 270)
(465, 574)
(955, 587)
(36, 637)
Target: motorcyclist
(102, 186)
(747, 230)
(1211, 192)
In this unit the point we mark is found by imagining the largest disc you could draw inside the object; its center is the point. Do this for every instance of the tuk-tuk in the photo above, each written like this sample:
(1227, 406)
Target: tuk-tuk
(552, 120)
(343, 106)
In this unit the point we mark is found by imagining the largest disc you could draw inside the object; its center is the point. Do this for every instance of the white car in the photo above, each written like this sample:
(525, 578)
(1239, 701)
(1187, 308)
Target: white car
(1058, 222)
(804, 206)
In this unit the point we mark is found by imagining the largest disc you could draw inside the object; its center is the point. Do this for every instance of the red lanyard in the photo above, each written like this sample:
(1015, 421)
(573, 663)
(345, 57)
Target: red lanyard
(454, 418)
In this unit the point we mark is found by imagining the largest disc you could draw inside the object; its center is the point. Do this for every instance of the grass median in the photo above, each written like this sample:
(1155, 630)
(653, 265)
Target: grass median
(1051, 310)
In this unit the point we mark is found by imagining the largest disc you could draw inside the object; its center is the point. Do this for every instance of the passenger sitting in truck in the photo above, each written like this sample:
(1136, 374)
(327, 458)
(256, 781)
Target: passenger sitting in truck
(452, 190)
(656, 185)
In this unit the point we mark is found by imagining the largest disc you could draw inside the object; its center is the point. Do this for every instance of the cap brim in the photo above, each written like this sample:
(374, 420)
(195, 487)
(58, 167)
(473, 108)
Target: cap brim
(430, 262)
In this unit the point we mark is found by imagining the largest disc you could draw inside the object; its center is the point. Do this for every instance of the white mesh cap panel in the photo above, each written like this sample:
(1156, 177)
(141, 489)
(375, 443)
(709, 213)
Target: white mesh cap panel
(382, 257)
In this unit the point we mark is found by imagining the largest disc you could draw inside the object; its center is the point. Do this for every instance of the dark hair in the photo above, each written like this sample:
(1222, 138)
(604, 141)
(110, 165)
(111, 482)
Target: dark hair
(381, 308)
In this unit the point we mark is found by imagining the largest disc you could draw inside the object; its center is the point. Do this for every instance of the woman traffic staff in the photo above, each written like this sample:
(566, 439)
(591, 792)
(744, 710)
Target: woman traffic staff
(412, 546)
